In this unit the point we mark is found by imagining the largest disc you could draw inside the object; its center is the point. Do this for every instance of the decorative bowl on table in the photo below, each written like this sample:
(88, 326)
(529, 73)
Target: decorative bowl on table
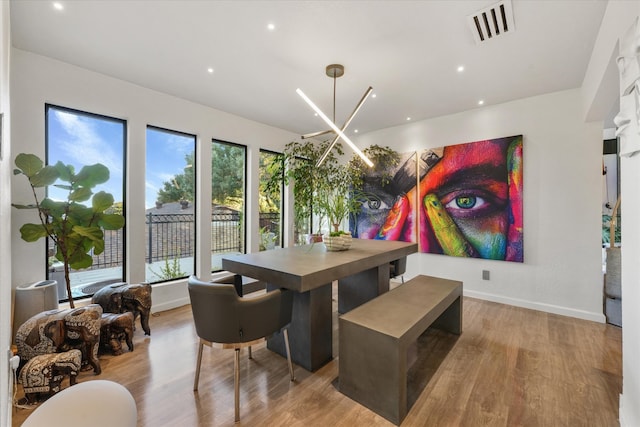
(337, 242)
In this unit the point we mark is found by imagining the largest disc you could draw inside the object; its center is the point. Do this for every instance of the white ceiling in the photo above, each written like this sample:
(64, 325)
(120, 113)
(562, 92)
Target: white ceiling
(408, 51)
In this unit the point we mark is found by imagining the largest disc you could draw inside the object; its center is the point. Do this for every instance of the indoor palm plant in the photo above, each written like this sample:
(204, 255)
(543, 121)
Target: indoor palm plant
(298, 165)
(76, 229)
(332, 190)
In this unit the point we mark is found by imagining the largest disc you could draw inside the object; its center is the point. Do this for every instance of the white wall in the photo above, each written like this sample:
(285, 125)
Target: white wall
(562, 269)
(37, 80)
(5, 220)
(599, 88)
(630, 177)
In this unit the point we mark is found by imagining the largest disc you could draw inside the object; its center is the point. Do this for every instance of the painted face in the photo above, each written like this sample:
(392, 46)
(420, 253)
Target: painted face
(470, 181)
(469, 203)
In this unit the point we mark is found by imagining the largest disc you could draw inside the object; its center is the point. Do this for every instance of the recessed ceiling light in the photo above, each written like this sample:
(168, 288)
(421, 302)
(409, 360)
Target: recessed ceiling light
(271, 27)
(57, 5)
(460, 68)
(481, 102)
(374, 96)
(355, 131)
(210, 70)
(408, 118)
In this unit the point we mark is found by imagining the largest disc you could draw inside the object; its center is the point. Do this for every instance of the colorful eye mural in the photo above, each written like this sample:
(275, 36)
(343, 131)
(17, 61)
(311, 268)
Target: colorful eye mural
(462, 200)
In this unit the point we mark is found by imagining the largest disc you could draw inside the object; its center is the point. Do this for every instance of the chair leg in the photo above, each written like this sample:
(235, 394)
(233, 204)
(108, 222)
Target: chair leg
(286, 344)
(250, 355)
(237, 383)
(195, 381)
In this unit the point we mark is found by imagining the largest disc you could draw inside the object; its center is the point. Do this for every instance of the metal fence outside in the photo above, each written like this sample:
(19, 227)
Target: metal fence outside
(170, 236)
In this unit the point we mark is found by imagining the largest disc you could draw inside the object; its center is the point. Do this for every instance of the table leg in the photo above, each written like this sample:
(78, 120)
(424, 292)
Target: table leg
(359, 288)
(310, 332)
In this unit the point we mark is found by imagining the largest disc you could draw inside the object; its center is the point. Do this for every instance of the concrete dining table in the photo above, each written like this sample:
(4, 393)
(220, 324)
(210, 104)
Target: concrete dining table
(362, 273)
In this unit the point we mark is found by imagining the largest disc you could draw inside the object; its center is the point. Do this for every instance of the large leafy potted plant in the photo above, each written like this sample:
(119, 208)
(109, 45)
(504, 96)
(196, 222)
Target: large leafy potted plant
(76, 229)
(298, 164)
(334, 189)
(345, 192)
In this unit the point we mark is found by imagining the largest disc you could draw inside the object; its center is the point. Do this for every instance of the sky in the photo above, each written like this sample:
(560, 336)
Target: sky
(81, 139)
(166, 153)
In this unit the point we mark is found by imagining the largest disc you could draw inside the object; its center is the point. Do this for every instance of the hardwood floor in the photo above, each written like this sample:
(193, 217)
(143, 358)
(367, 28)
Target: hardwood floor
(510, 367)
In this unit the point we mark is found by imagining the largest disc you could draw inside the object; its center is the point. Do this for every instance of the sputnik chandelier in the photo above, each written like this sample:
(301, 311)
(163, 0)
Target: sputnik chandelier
(335, 71)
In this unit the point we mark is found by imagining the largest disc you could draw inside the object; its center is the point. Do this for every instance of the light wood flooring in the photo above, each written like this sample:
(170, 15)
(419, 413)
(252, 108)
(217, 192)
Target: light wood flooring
(510, 367)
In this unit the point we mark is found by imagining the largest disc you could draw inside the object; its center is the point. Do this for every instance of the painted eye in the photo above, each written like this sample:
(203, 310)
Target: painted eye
(374, 204)
(466, 202)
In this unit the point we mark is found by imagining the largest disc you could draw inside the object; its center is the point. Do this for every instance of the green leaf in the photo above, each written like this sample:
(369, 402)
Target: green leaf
(102, 201)
(64, 187)
(79, 214)
(81, 260)
(111, 221)
(92, 175)
(92, 233)
(64, 171)
(53, 208)
(29, 164)
(45, 176)
(98, 247)
(32, 232)
(17, 206)
(81, 194)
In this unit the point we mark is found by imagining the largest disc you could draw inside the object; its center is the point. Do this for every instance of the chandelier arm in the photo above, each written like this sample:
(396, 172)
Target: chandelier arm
(334, 127)
(314, 134)
(334, 98)
(346, 124)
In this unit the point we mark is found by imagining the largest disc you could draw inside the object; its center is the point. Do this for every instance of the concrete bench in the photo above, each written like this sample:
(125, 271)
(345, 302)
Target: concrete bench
(375, 339)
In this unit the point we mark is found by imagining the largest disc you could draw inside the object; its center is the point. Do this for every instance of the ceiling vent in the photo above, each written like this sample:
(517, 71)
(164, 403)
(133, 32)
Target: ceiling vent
(491, 22)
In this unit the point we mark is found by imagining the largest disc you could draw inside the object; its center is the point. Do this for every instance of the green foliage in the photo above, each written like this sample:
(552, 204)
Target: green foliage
(298, 164)
(75, 228)
(328, 190)
(170, 270)
(384, 160)
(606, 229)
(181, 186)
(227, 172)
(227, 177)
(267, 239)
(270, 182)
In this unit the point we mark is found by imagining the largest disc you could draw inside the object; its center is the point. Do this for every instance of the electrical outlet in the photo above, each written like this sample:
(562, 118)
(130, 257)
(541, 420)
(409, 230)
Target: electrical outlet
(485, 274)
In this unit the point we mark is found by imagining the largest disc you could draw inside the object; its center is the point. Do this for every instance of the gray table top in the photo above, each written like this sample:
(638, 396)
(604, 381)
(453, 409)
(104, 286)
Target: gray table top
(306, 267)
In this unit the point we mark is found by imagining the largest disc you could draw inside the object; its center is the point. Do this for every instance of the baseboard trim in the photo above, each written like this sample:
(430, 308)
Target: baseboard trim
(547, 308)
(627, 416)
(169, 305)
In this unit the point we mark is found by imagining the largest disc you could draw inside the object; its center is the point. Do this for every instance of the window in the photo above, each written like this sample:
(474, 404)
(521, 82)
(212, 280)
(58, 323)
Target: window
(169, 199)
(270, 200)
(79, 138)
(228, 188)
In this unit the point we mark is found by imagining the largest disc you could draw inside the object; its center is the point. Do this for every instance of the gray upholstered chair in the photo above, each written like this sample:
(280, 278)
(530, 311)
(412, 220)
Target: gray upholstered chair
(222, 317)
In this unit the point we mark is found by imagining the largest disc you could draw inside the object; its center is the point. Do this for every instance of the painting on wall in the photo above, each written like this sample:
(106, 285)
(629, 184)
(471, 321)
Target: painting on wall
(464, 200)
(384, 211)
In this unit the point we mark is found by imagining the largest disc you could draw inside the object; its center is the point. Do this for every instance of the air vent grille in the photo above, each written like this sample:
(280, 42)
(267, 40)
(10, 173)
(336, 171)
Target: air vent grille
(492, 22)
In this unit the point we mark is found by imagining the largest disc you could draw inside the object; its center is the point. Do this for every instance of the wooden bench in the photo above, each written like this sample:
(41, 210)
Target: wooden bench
(375, 339)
